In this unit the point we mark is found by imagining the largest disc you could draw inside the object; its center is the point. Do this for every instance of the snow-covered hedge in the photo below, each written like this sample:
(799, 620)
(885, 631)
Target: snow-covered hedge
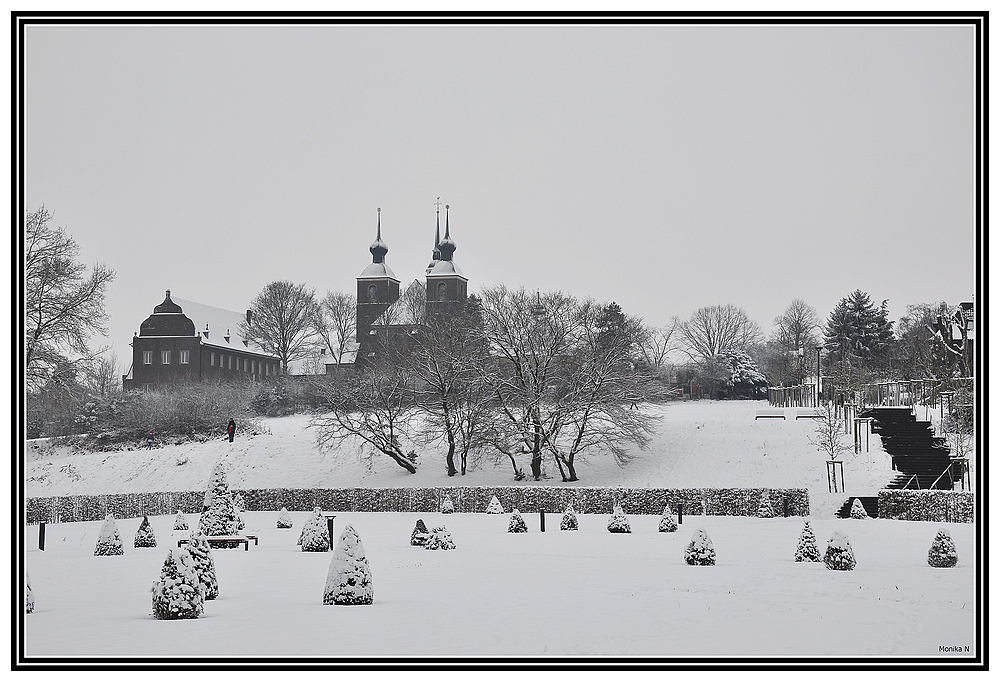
(527, 498)
(942, 506)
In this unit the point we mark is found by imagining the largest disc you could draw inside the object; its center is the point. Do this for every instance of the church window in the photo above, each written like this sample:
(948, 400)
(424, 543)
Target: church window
(372, 294)
(441, 291)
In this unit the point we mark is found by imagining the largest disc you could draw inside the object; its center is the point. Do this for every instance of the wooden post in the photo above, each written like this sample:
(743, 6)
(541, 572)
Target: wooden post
(41, 535)
(680, 513)
(541, 514)
(329, 527)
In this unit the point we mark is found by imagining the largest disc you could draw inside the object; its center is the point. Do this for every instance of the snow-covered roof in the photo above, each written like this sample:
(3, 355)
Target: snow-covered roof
(377, 271)
(445, 267)
(219, 324)
(408, 309)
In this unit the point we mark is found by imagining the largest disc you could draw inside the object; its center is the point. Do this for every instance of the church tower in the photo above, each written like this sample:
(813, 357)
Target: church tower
(446, 286)
(378, 288)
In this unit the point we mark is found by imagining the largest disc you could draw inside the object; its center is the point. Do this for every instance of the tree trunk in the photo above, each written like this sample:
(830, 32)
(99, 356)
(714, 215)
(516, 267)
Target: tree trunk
(572, 470)
(401, 461)
(562, 472)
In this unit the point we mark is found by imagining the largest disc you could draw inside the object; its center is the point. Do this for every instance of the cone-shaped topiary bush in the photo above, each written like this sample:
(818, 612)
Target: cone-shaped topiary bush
(177, 594)
(517, 524)
(942, 553)
(618, 523)
(494, 507)
(447, 507)
(217, 484)
(668, 524)
(284, 519)
(858, 510)
(807, 549)
(439, 538)
(419, 535)
(144, 537)
(109, 542)
(764, 509)
(180, 521)
(349, 580)
(204, 566)
(220, 517)
(839, 555)
(700, 551)
(569, 521)
(315, 534)
(29, 596)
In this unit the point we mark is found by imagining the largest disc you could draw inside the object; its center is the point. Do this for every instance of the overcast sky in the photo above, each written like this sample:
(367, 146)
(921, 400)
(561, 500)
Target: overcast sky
(666, 168)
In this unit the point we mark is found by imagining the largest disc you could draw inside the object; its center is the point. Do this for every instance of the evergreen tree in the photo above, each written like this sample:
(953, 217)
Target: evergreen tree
(204, 565)
(217, 482)
(177, 594)
(494, 506)
(180, 522)
(569, 521)
(109, 542)
(439, 538)
(700, 551)
(29, 596)
(745, 378)
(807, 549)
(764, 509)
(942, 553)
(618, 523)
(144, 537)
(668, 524)
(857, 330)
(284, 519)
(839, 555)
(517, 524)
(419, 535)
(447, 507)
(858, 510)
(349, 580)
(315, 536)
(219, 516)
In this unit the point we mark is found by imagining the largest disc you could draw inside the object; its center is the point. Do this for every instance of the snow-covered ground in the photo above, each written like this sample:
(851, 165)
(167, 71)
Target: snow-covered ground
(583, 593)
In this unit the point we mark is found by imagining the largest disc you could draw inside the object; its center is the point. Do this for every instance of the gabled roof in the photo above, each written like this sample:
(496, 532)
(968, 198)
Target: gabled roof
(218, 323)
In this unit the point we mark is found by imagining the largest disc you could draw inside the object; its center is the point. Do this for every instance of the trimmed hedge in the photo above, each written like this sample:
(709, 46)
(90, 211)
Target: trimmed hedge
(948, 506)
(696, 501)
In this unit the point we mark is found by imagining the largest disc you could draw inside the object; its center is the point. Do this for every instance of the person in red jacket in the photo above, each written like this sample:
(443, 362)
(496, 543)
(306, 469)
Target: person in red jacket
(231, 430)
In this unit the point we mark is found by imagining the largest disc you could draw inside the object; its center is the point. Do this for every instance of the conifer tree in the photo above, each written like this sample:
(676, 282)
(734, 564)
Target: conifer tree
(447, 507)
(204, 565)
(569, 521)
(618, 523)
(764, 509)
(29, 596)
(284, 519)
(494, 506)
(315, 534)
(667, 522)
(439, 538)
(942, 553)
(180, 522)
(349, 580)
(839, 554)
(517, 524)
(700, 551)
(177, 594)
(109, 542)
(419, 535)
(858, 510)
(144, 537)
(807, 549)
(219, 517)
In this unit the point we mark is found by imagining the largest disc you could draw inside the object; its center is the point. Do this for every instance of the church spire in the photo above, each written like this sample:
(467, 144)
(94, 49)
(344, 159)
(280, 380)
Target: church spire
(436, 254)
(447, 246)
(378, 247)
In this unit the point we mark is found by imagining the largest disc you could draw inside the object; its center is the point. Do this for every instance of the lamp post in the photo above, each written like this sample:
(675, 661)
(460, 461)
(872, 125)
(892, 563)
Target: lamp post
(818, 349)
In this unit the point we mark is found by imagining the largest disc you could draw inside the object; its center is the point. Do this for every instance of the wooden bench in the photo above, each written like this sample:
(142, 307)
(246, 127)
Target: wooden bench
(221, 540)
(252, 536)
(807, 414)
(769, 414)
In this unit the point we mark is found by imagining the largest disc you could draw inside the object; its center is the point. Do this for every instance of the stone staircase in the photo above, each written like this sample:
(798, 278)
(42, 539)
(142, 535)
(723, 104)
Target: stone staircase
(917, 454)
(869, 503)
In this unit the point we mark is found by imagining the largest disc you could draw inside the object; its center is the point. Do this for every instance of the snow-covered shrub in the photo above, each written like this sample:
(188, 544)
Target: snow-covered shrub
(349, 580)
(839, 554)
(177, 594)
(219, 517)
(494, 506)
(447, 507)
(315, 536)
(204, 565)
(517, 524)
(29, 596)
(700, 551)
(858, 510)
(943, 506)
(439, 538)
(807, 549)
(668, 524)
(109, 542)
(144, 537)
(618, 523)
(764, 509)
(419, 535)
(569, 521)
(284, 519)
(180, 522)
(942, 553)
(217, 484)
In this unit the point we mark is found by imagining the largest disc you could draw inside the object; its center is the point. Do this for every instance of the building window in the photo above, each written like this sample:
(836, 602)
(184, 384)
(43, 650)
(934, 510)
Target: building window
(213, 359)
(185, 357)
(230, 362)
(253, 366)
(146, 388)
(441, 290)
(372, 294)
(165, 357)
(147, 357)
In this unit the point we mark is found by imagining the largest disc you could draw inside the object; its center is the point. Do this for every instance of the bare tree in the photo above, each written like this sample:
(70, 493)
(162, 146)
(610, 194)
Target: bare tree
(102, 375)
(656, 343)
(828, 436)
(63, 304)
(281, 319)
(335, 323)
(714, 329)
(797, 327)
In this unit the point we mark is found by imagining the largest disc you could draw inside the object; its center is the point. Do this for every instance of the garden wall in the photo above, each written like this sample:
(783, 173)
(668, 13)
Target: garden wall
(948, 506)
(695, 501)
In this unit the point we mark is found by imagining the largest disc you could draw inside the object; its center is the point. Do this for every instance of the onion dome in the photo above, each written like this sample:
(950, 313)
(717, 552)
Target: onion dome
(167, 306)
(436, 255)
(447, 246)
(378, 247)
(167, 320)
